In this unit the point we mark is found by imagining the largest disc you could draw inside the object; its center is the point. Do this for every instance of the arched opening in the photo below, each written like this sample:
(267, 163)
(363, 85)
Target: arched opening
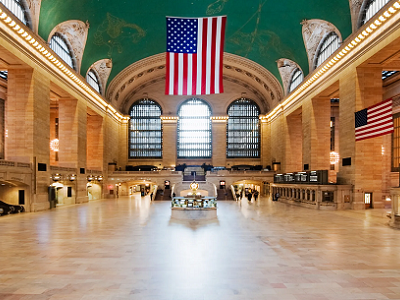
(60, 46)
(145, 130)
(194, 129)
(328, 45)
(243, 130)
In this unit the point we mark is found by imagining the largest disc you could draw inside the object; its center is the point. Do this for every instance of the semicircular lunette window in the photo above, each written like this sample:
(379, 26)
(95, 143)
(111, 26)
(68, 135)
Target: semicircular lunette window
(17, 9)
(297, 78)
(329, 45)
(194, 129)
(93, 80)
(370, 10)
(145, 130)
(243, 130)
(60, 47)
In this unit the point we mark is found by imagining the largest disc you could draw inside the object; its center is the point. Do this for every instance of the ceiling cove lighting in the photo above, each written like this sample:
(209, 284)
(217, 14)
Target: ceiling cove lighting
(345, 51)
(47, 54)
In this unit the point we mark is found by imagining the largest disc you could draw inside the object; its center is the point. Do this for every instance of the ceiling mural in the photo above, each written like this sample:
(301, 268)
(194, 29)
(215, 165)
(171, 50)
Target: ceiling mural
(260, 30)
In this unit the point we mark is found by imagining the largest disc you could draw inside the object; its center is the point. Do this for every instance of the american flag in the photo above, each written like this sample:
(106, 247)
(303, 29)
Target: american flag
(195, 47)
(374, 121)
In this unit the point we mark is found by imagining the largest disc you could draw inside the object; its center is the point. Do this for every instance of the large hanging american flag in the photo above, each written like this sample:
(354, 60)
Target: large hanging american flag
(195, 48)
(374, 121)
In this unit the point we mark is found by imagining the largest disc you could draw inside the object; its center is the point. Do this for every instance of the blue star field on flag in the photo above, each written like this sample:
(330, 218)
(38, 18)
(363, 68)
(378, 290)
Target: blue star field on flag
(182, 35)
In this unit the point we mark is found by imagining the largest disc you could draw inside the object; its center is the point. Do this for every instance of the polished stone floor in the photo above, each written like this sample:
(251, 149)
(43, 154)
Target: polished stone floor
(130, 248)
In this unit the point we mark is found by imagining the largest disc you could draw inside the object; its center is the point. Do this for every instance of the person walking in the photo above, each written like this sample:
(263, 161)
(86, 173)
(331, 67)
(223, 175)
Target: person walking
(249, 196)
(277, 196)
(255, 195)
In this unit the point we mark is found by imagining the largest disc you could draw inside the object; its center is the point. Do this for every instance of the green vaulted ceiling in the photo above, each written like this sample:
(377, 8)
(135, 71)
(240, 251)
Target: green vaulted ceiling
(129, 30)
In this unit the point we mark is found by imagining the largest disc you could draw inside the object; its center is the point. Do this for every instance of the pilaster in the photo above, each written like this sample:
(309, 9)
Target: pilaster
(219, 140)
(170, 125)
(28, 127)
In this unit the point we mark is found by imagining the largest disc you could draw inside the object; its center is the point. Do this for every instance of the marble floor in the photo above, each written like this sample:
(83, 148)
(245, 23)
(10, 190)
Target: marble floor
(130, 248)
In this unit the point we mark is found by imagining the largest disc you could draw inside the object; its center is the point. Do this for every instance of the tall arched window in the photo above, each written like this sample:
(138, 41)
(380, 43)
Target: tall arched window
(16, 7)
(93, 80)
(329, 45)
(370, 9)
(145, 130)
(297, 78)
(194, 129)
(243, 131)
(61, 48)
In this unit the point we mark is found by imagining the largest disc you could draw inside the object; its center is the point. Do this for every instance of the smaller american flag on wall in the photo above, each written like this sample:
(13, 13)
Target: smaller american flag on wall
(374, 121)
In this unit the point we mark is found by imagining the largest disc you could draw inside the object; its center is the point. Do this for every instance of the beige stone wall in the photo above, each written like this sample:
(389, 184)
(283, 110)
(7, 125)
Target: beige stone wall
(219, 142)
(27, 123)
(95, 143)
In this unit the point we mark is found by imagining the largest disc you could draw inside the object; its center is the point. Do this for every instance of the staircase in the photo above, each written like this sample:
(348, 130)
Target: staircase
(188, 174)
(224, 194)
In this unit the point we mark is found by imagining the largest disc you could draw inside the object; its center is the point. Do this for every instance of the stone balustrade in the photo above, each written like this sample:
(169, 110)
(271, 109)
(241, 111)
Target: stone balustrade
(323, 197)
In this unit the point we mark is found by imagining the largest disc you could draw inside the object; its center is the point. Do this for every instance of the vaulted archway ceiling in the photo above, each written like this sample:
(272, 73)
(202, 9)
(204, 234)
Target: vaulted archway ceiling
(128, 31)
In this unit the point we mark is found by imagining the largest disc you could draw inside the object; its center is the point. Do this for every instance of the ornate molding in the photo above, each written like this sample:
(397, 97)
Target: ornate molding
(355, 8)
(75, 32)
(34, 12)
(103, 69)
(313, 33)
(286, 68)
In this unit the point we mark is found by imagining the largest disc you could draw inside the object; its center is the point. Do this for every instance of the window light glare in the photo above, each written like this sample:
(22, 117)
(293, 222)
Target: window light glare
(3, 16)
(397, 5)
(372, 26)
(16, 27)
(377, 22)
(21, 31)
(392, 10)
(12, 23)
(8, 20)
(368, 30)
(382, 18)
(386, 14)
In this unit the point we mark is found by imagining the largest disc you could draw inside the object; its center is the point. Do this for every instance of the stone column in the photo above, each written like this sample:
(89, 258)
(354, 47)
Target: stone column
(265, 141)
(360, 89)
(294, 149)
(316, 117)
(72, 133)
(28, 127)
(219, 141)
(170, 125)
(95, 148)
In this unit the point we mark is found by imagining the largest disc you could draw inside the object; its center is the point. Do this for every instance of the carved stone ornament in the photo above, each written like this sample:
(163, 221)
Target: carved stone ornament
(286, 68)
(34, 12)
(355, 8)
(313, 33)
(103, 69)
(75, 32)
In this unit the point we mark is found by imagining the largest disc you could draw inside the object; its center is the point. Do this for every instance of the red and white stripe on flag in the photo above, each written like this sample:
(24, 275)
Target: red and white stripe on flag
(379, 121)
(198, 72)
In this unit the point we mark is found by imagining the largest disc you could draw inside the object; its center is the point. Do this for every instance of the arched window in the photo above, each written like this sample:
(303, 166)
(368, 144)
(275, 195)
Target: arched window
(297, 78)
(4, 75)
(243, 131)
(16, 7)
(329, 45)
(194, 129)
(93, 80)
(60, 47)
(145, 131)
(370, 9)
